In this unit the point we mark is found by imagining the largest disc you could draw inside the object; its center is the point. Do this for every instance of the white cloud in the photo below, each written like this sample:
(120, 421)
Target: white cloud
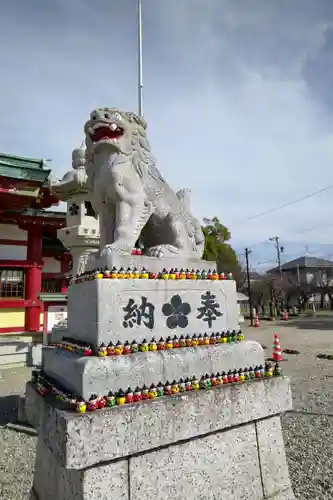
(230, 113)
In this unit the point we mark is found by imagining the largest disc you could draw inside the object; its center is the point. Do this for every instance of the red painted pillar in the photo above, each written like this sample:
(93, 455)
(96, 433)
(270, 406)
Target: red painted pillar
(33, 283)
(65, 262)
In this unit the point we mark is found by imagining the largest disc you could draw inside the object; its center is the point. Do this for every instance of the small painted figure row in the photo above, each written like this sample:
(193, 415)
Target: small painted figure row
(155, 391)
(134, 273)
(170, 343)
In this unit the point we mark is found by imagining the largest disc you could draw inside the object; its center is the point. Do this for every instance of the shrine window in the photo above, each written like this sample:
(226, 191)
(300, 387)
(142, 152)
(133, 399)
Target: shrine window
(12, 283)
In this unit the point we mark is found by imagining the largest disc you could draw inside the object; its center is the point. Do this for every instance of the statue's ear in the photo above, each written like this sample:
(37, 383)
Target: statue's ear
(139, 120)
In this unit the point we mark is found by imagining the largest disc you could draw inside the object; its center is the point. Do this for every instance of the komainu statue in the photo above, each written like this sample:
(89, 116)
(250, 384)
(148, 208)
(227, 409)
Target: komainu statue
(129, 194)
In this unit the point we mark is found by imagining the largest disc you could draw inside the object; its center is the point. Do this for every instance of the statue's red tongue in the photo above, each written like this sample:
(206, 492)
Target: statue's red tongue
(105, 133)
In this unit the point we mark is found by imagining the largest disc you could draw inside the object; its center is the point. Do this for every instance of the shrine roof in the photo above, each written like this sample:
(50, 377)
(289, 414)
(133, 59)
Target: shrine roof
(20, 167)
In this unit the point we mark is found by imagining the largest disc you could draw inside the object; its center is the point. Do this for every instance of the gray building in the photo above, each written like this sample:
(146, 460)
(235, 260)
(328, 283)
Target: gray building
(307, 271)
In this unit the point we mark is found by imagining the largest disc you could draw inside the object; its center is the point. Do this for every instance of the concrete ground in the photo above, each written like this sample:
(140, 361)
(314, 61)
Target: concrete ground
(308, 429)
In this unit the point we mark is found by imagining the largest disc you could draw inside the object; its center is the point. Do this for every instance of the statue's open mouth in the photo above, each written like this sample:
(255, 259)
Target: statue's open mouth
(106, 132)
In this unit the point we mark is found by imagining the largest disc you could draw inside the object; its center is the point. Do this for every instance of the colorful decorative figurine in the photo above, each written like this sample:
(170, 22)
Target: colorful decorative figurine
(194, 341)
(195, 384)
(119, 348)
(181, 385)
(277, 370)
(188, 384)
(102, 351)
(120, 398)
(134, 346)
(129, 396)
(152, 345)
(182, 341)
(137, 396)
(114, 273)
(175, 342)
(174, 387)
(81, 406)
(269, 371)
(135, 273)
(110, 399)
(169, 343)
(161, 345)
(152, 394)
(164, 274)
(172, 274)
(127, 348)
(144, 346)
(182, 274)
(110, 349)
(206, 340)
(167, 389)
(144, 393)
(160, 390)
(92, 404)
(144, 274)
(188, 341)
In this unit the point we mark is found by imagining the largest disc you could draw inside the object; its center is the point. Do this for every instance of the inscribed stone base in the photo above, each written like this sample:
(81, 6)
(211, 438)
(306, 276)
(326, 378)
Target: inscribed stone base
(84, 376)
(115, 309)
(221, 443)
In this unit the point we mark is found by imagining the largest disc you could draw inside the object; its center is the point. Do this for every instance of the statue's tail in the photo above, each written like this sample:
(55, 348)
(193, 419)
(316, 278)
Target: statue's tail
(184, 197)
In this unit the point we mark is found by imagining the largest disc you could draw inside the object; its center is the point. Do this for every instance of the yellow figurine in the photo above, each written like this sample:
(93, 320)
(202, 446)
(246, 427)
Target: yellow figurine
(81, 407)
(165, 274)
(152, 393)
(169, 343)
(121, 273)
(152, 345)
(114, 273)
(144, 274)
(193, 275)
(172, 274)
(119, 348)
(135, 274)
(120, 398)
(195, 384)
(98, 275)
(102, 351)
(144, 346)
(174, 387)
(182, 274)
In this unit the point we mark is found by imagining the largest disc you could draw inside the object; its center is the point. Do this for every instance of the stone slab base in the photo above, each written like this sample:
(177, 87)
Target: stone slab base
(224, 443)
(84, 376)
(105, 310)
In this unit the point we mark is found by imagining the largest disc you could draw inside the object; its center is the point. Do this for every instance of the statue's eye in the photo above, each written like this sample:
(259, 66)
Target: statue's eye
(107, 116)
(93, 117)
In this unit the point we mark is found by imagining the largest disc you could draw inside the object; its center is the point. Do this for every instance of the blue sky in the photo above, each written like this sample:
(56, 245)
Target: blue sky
(238, 98)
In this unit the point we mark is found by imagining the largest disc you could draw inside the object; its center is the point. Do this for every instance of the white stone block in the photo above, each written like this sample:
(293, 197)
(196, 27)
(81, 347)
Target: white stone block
(115, 309)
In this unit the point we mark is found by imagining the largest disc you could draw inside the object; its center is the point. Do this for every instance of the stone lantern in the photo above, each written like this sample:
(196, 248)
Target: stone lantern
(81, 234)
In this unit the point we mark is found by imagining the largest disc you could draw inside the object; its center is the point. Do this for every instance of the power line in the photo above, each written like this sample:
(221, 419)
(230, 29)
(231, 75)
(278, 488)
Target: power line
(289, 203)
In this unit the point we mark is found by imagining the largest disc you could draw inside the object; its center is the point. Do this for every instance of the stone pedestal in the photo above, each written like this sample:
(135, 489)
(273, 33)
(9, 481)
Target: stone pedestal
(221, 443)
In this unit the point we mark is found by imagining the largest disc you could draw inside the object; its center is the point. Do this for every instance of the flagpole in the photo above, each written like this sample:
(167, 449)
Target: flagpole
(140, 79)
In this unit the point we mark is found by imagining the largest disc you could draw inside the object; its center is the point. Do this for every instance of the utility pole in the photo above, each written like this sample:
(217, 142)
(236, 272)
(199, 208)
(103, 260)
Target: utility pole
(278, 252)
(140, 71)
(247, 253)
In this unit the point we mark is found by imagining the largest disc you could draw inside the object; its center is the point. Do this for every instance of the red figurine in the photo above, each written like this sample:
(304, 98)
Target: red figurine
(167, 389)
(137, 396)
(175, 342)
(144, 393)
(127, 348)
(100, 402)
(92, 404)
(129, 396)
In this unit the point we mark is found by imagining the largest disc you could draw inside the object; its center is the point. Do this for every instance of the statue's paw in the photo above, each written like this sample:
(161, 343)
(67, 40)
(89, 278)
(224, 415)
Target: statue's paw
(163, 251)
(155, 252)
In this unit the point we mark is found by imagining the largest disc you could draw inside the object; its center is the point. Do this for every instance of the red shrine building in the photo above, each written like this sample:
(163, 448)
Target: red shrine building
(33, 262)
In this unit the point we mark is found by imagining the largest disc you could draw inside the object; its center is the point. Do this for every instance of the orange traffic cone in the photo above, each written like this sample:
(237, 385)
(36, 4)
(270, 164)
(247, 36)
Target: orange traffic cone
(285, 315)
(277, 356)
(257, 321)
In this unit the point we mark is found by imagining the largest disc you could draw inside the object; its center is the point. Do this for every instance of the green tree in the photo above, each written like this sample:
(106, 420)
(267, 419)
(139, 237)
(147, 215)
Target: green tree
(217, 250)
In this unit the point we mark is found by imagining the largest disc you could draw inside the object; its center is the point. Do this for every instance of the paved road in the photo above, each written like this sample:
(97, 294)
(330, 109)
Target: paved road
(308, 429)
